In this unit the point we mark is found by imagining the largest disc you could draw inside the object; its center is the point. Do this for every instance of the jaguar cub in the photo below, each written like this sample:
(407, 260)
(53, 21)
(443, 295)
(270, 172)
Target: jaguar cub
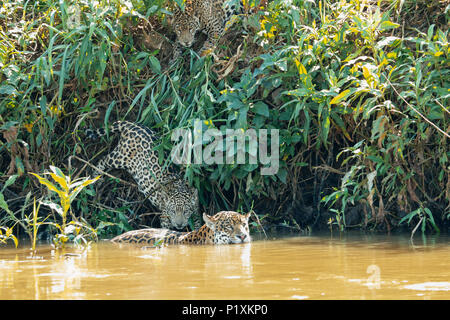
(225, 227)
(166, 190)
(208, 16)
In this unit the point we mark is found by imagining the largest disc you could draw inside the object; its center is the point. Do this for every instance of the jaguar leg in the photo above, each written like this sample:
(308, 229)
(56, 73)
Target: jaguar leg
(108, 162)
(177, 51)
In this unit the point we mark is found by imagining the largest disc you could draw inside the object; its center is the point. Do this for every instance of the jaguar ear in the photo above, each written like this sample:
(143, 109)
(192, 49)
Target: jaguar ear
(247, 215)
(209, 221)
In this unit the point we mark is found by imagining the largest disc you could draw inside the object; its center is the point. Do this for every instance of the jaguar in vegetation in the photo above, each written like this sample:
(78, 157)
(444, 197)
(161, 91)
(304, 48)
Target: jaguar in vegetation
(208, 16)
(225, 227)
(165, 189)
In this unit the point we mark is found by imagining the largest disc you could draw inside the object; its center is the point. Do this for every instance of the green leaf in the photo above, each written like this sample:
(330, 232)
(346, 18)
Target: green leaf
(261, 108)
(10, 181)
(154, 64)
(282, 174)
(409, 216)
(4, 204)
(8, 90)
(62, 74)
(108, 112)
(431, 218)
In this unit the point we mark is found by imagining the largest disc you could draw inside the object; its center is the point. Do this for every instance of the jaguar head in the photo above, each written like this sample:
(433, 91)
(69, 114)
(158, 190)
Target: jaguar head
(180, 202)
(228, 227)
(185, 28)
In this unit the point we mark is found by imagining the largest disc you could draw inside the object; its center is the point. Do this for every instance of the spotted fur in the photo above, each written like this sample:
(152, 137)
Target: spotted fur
(208, 16)
(167, 190)
(225, 227)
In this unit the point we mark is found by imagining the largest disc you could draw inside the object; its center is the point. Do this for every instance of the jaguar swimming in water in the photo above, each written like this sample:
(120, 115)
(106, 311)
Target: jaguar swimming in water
(225, 227)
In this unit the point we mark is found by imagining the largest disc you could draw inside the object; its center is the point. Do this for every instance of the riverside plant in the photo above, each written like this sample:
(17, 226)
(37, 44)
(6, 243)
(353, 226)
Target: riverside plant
(6, 233)
(67, 191)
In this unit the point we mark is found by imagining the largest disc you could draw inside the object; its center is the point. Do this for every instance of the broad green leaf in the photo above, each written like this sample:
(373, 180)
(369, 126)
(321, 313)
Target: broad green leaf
(261, 108)
(409, 216)
(8, 90)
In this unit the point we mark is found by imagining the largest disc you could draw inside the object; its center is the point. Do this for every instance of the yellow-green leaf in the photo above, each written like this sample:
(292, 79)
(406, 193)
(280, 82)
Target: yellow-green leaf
(301, 68)
(61, 181)
(75, 192)
(366, 72)
(65, 203)
(386, 25)
(47, 183)
(16, 242)
(341, 96)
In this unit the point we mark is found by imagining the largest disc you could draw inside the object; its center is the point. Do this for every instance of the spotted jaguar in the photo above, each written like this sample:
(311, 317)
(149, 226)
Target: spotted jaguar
(207, 16)
(165, 189)
(225, 227)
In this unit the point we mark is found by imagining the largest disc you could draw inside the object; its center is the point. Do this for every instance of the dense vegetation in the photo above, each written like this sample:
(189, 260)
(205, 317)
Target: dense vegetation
(358, 89)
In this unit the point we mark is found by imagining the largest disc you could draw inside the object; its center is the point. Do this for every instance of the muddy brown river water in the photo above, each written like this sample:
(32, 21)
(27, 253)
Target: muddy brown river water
(306, 267)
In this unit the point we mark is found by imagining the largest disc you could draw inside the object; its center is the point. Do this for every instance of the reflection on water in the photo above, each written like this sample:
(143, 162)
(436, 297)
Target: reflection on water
(352, 267)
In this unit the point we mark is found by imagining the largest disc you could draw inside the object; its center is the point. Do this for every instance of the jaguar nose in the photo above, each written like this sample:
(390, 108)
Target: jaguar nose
(178, 226)
(242, 237)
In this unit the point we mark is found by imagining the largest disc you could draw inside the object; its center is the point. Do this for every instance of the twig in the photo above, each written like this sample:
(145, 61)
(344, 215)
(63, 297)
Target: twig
(440, 104)
(415, 228)
(415, 110)
(101, 171)
(259, 223)
(328, 168)
(150, 214)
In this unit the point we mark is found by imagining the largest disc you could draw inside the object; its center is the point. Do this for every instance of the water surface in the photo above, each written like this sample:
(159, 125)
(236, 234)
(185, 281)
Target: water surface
(313, 267)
